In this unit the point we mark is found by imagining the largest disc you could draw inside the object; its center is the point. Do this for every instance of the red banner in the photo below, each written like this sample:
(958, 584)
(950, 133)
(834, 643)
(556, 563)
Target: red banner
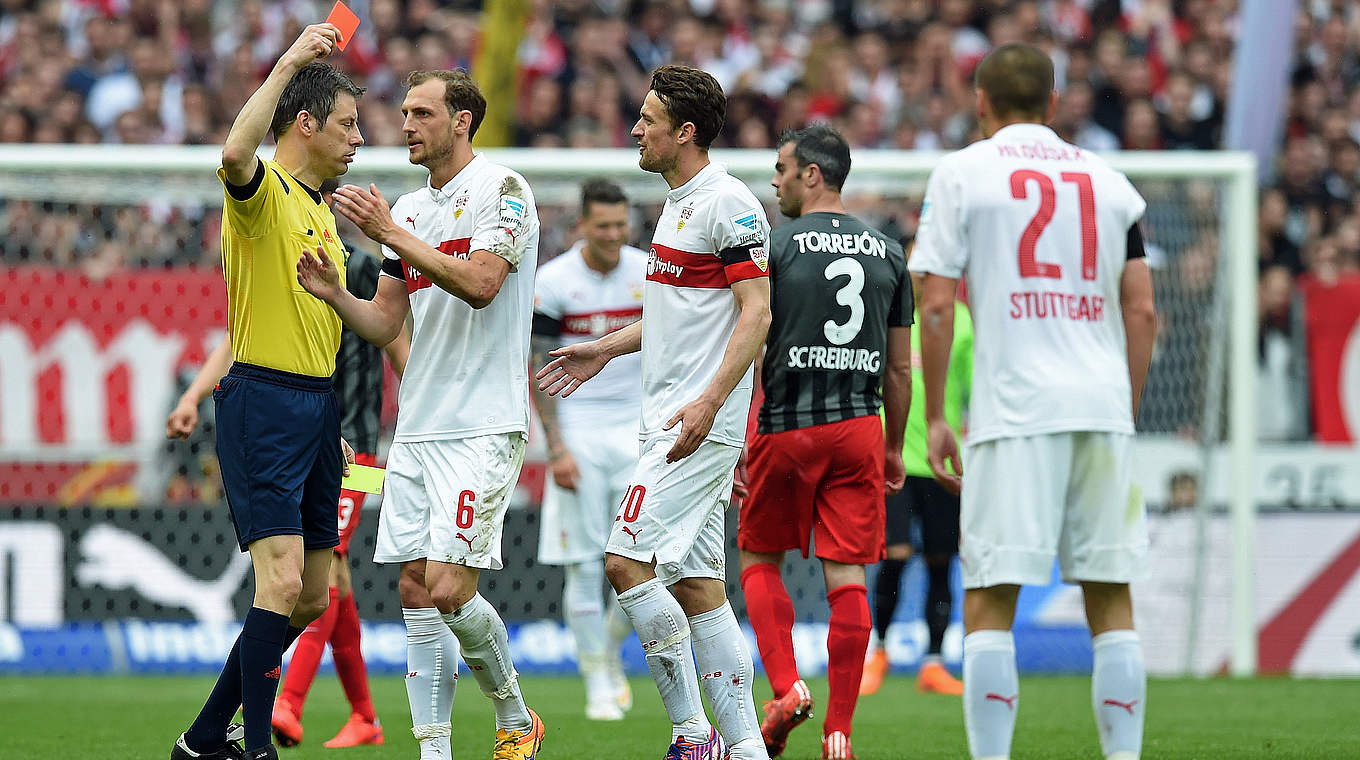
(1333, 331)
(87, 373)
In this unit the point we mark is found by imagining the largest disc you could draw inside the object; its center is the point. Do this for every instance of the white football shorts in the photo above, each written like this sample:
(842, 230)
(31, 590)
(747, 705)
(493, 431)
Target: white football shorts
(673, 513)
(574, 525)
(1067, 495)
(446, 499)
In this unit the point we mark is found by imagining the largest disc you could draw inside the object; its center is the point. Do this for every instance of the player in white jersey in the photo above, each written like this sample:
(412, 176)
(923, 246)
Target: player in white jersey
(587, 292)
(706, 309)
(1047, 235)
(460, 258)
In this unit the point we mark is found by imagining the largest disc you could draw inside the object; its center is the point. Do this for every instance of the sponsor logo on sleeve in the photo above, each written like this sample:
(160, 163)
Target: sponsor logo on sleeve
(512, 211)
(747, 227)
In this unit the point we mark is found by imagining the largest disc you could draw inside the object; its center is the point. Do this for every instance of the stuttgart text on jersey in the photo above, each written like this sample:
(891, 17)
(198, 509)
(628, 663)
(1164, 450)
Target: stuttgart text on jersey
(1050, 305)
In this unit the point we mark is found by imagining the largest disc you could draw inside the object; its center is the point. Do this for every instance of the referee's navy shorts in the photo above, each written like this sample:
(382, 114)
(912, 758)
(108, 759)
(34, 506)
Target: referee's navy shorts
(278, 441)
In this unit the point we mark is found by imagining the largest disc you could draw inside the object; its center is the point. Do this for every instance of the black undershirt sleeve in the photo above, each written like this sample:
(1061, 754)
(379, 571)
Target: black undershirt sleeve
(545, 326)
(247, 191)
(393, 268)
(1135, 242)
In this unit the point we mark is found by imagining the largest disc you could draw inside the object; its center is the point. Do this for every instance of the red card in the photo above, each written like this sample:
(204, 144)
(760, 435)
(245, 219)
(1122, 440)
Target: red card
(343, 18)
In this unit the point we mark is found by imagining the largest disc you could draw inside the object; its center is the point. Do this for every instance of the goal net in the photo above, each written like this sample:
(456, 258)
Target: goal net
(111, 297)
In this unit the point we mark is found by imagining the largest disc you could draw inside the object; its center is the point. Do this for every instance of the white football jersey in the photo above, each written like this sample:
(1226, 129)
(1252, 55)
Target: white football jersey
(1039, 227)
(468, 370)
(712, 233)
(589, 305)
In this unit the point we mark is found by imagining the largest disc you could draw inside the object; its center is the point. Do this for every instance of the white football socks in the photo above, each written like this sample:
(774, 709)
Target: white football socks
(725, 675)
(1119, 692)
(583, 611)
(619, 627)
(431, 678)
(991, 692)
(486, 649)
(664, 632)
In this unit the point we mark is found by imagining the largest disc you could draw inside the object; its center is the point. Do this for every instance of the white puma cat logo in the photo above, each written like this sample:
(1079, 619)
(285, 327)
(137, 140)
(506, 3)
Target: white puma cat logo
(116, 559)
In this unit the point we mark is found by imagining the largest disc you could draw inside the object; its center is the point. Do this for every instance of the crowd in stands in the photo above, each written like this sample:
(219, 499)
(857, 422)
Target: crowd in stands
(1132, 75)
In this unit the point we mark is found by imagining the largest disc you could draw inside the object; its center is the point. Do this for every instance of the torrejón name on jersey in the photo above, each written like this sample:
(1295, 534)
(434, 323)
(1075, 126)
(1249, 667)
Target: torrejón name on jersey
(836, 286)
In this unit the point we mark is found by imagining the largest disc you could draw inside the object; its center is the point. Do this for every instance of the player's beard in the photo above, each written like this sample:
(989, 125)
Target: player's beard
(648, 161)
(791, 207)
(432, 154)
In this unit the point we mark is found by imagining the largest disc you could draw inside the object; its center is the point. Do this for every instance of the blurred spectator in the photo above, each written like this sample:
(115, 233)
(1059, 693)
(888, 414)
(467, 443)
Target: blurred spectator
(1276, 248)
(1282, 409)
(1180, 129)
(1073, 119)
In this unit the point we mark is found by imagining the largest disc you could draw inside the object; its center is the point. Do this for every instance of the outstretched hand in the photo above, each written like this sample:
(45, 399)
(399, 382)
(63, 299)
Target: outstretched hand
(368, 209)
(572, 366)
(317, 275)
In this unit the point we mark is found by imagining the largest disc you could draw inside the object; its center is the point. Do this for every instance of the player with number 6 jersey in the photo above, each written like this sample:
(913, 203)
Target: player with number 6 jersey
(1047, 235)
(460, 259)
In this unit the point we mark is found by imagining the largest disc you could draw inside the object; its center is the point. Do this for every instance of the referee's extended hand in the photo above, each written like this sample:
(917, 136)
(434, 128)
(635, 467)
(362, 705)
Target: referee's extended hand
(317, 275)
(368, 209)
(943, 454)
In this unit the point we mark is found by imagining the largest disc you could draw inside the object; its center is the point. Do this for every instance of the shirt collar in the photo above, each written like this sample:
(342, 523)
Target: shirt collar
(441, 194)
(1025, 131)
(709, 170)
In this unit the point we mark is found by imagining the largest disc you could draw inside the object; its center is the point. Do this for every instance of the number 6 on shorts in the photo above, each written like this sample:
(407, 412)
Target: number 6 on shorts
(463, 517)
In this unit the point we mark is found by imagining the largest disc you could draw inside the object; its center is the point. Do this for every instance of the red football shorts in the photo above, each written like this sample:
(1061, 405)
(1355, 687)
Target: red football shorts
(823, 482)
(351, 504)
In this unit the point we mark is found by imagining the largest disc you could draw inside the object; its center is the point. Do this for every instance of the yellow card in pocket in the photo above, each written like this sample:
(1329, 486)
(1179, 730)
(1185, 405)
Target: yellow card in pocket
(364, 478)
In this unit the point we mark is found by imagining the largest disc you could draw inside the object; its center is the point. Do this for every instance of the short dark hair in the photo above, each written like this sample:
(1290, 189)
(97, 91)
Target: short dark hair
(694, 96)
(460, 93)
(600, 190)
(312, 89)
(822, 145)
(1018, 80)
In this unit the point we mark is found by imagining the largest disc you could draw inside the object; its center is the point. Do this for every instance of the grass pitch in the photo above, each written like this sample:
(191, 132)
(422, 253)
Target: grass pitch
(139, 718)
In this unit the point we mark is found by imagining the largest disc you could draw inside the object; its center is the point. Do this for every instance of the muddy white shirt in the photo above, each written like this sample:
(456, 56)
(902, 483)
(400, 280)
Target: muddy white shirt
(1042, 230)
(712, 233)
(468, 370)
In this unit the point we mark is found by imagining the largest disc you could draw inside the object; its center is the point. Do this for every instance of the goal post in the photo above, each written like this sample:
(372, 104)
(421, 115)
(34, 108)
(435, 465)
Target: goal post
(889, 182)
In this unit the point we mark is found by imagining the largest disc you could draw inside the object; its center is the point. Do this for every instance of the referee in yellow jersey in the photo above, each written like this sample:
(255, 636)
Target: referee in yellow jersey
(278, 425)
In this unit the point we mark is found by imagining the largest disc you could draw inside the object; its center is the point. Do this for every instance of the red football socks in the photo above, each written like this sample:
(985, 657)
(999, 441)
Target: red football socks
(846, 641)
(302, 668)
(770, 611)
(349, 659)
